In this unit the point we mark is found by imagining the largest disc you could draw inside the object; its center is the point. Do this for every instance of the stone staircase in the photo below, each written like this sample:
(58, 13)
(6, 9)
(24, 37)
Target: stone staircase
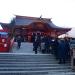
(32, 64)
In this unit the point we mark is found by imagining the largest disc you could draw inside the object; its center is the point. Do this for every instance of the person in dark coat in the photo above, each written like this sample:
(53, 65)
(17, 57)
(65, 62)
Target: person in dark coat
(33, 37)
(47, 41)
(33, 41)
(37, 42)
(62, 51)
(55, 44)
(67, 44)
(19, 41)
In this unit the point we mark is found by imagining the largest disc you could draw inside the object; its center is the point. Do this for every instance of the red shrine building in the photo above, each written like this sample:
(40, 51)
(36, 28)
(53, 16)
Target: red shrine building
(26, 26)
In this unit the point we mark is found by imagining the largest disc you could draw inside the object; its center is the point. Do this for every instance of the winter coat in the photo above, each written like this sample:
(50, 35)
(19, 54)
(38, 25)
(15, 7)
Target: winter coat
(62, 51)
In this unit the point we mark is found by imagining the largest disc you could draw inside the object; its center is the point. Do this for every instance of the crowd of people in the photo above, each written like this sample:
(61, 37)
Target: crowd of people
(46, 44)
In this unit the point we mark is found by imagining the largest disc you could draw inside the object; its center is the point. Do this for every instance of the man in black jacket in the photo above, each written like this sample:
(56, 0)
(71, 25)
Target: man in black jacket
(19, 41)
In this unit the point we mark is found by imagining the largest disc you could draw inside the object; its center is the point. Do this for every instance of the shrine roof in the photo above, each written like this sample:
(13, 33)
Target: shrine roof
(26, 20)
(4, 24)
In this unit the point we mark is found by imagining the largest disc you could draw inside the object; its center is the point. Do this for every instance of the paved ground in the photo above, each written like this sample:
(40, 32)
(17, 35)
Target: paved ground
(25, 48)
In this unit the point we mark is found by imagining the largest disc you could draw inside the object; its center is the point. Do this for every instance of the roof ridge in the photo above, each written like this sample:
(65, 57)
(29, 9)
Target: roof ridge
(29, 17)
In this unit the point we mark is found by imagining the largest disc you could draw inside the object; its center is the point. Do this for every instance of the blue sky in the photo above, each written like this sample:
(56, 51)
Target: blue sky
(62, 12)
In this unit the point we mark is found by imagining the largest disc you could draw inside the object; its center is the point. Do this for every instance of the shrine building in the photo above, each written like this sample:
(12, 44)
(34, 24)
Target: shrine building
(26, 26)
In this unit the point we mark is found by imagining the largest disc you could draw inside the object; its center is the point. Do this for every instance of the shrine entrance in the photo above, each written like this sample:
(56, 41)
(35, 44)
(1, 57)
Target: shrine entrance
(35, 27)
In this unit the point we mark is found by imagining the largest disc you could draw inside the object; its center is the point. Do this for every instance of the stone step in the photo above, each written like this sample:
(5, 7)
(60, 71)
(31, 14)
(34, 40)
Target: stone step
(50, 67)
(38, 62)
(23, 73)
(33, 65)
(24, 54)
(49, 71)
(27, 60)
(26, 57)
(32, 68)
(35, 73)
(43, 58)
(61, 73)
